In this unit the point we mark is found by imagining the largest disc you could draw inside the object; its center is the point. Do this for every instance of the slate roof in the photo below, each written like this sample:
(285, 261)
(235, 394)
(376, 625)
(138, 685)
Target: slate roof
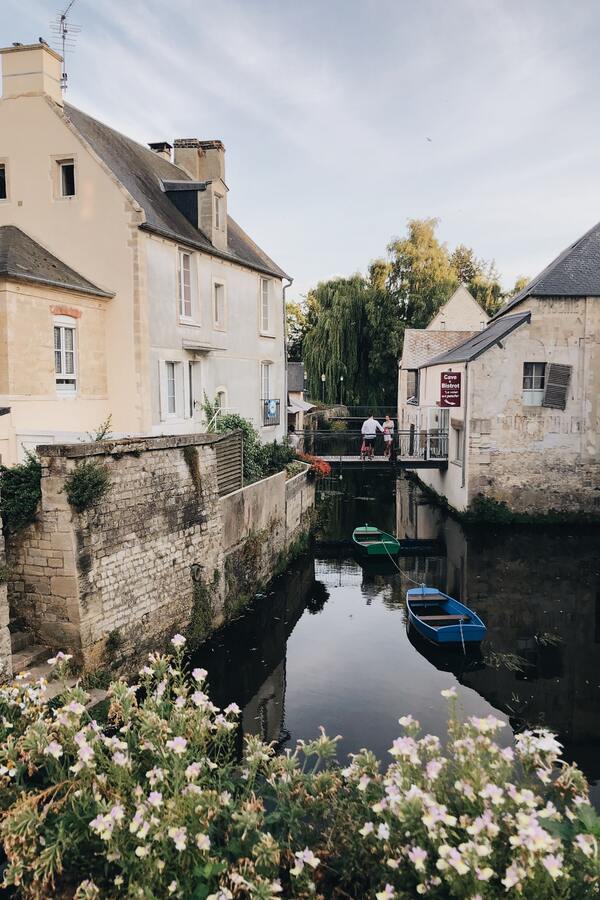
(482, 341)
(23, 259)
(141, 171)
(574, 273)
(295, 376)
(420, 345)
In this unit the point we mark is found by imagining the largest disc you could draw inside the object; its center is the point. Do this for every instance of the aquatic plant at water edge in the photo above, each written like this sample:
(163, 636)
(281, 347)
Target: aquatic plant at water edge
(159, 804)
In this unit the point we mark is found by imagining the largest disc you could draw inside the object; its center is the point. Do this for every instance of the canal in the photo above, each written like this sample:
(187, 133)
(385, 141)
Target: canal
(328, 644)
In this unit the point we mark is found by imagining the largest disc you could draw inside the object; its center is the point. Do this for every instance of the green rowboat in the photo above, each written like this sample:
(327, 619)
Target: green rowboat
(372, 541)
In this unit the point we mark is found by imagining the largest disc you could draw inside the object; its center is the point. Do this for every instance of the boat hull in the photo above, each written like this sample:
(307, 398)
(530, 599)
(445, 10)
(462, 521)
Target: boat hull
(467, 627)
(370, 542)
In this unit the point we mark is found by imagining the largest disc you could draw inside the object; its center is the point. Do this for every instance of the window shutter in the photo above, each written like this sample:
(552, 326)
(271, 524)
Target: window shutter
(557, 383)
(162, 389)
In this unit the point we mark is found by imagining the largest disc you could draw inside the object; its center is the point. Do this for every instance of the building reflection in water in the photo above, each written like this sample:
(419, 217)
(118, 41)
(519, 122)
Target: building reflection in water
(246, 661)
(538, 592)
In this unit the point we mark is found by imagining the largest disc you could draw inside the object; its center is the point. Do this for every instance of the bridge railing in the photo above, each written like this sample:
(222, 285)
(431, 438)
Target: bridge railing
(417, 445)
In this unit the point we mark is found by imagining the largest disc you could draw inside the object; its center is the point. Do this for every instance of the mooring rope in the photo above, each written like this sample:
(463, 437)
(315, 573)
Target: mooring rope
(420, 584)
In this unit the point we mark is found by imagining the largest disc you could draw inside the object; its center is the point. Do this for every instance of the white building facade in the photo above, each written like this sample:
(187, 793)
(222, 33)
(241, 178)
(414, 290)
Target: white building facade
(128, 258)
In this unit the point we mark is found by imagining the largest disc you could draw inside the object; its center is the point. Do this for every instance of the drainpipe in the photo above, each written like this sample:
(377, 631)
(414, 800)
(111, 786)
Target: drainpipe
(465, 426)
(284, 399)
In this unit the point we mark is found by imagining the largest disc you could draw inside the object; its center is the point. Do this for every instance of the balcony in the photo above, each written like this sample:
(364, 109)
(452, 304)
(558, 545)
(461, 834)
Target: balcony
(271, 412)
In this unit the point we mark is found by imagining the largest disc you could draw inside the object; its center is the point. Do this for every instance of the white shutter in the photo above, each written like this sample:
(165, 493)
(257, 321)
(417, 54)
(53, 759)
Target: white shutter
(162, 389)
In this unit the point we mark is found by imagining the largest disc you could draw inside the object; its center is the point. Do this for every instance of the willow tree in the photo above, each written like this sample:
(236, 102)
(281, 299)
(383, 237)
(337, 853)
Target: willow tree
(337, 346)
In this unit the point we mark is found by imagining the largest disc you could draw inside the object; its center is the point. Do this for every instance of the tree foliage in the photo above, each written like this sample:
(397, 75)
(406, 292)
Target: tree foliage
(297, 325)
(356, 336)
(354, 327)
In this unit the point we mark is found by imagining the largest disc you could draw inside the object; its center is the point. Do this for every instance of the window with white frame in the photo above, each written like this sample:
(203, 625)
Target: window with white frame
(265, 305)
(219, 304)
(3, 186)
(534, 382)
(265, 380)
(66, 177)
(65, 355)
(218, 212)
(184, 278)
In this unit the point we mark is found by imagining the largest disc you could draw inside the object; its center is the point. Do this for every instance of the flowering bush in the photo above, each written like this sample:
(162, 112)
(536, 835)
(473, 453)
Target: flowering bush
(159, 803)
(317, 465)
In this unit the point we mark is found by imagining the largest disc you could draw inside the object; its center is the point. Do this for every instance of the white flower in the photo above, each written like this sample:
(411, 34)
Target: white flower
(177, 745)
(363, 782)
(178, 641)
(60, 657)
(553, 864)
(53, 749)
(142, 851)
(202, 841)
(417, 857)
(155, 799)
(232, 709)
(155, 775)
(405, 721)
(388, 891)
(304, 857)
(179, 837)
(587, 844)
(366, 829)
(449, 692)
(172, 887)
(199, 675)
(120, 759)
(383, 832)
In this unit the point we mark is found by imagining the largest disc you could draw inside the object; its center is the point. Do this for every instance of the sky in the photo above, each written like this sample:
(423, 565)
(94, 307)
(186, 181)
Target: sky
(343, 119)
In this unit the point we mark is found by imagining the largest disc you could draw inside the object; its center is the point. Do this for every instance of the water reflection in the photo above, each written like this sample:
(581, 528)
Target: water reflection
(328, 645)
(538, 592)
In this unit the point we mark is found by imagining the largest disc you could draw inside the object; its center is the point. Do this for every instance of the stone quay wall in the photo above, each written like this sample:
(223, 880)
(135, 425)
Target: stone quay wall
(121, 577)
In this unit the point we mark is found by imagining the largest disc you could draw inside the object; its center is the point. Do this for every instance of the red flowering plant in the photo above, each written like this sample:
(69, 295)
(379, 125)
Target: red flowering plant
(318, 466)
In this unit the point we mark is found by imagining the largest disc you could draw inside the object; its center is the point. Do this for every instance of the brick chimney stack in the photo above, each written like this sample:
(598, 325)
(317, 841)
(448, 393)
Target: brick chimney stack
(30, 70)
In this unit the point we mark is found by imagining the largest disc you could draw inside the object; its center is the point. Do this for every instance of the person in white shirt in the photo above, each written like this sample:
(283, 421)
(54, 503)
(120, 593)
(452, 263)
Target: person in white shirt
(369, 430)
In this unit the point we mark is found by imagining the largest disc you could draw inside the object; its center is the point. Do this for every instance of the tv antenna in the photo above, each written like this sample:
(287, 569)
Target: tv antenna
(65, 34)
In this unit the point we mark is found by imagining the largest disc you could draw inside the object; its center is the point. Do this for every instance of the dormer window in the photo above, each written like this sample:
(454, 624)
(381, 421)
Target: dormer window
(218, 212)
(66, 177)
(185, 284)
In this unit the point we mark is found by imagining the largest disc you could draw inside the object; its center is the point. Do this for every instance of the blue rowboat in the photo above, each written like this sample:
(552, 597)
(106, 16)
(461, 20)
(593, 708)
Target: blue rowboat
(442, 619)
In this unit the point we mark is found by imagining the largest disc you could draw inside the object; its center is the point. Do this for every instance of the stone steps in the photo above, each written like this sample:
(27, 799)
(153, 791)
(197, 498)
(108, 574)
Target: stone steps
(30, 656)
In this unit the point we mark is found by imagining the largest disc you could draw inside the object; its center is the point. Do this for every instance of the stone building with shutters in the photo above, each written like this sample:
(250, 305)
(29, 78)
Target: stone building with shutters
(524, 426)
(126, 288)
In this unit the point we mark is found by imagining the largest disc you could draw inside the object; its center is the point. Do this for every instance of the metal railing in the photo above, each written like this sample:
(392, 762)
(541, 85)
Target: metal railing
(271, 412)
(408, 445)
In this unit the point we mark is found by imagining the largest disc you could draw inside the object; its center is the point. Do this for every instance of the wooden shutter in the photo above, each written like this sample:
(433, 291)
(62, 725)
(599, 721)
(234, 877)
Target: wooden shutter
(557, 383)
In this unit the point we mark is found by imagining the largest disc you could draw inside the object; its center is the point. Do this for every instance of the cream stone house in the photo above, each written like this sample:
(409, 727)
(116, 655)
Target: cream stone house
(524, 419)
(126, 289)
(459, 318)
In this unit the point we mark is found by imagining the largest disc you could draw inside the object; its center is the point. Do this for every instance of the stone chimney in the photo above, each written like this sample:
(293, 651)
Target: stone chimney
(205, 161)
(31, 70)
(163, 148)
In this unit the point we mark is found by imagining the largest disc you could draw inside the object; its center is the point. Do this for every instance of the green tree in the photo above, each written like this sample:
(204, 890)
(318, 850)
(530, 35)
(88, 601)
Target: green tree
(386, 330)
(421, 275)
(338, 342)
(297, 325)
(480, 277)
(465, 264)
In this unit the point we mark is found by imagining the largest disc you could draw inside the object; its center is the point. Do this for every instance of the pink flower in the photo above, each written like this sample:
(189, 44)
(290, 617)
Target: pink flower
(179, 837)
(417, 857)
(553, 864)
(177, 745)
(155, 799)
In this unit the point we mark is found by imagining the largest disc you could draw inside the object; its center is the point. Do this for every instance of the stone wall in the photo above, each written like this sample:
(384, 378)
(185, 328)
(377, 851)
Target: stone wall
(121, 577)
(5, 648)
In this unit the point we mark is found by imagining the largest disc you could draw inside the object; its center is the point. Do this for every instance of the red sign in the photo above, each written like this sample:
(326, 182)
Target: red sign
(450, 389)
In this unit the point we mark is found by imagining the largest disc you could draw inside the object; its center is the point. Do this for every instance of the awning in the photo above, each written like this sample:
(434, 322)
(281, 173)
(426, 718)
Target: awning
(199, 346)
(296, 406)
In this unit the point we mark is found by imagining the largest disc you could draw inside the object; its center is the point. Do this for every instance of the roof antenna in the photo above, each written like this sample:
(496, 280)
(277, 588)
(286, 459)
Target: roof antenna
(64, 38)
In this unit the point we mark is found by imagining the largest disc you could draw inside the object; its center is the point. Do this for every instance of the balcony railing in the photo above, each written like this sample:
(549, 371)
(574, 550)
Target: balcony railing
(406, 445)
(271, 412)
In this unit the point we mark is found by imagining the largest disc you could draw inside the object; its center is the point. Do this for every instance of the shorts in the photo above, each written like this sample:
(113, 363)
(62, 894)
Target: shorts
(387, 438)
(369, 439)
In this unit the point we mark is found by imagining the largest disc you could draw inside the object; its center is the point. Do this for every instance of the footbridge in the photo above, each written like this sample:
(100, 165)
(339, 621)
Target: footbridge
(409, 449)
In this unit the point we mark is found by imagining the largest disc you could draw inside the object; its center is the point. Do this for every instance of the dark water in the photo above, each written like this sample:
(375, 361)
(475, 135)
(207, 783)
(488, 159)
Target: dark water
(328, 644)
